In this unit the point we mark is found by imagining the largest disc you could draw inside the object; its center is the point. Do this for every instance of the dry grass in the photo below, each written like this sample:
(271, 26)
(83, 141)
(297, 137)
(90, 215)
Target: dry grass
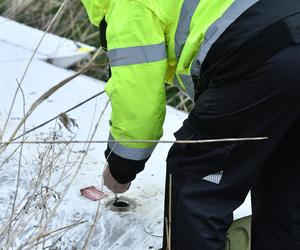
(73, 23)
(55, 168)
(36, 203)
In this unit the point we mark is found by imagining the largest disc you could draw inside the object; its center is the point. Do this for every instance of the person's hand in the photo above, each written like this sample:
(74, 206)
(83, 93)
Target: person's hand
(112, 184)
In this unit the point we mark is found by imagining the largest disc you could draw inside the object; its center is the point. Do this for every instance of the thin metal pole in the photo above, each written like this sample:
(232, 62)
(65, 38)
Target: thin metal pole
(138, 141)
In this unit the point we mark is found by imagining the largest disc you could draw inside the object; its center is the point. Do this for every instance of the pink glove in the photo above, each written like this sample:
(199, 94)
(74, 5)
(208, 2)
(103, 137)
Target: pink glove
(111, 183)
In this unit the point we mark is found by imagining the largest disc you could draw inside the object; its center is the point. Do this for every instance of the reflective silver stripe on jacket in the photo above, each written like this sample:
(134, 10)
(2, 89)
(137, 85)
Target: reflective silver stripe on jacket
(135, 154)
(187, 11)
(137, 54)
(237, 8)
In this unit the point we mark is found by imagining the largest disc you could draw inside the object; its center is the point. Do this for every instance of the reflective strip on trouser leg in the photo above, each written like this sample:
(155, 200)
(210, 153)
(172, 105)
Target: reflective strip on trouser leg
(218, 28)
(187, 11)
(136, 154)
(137, 54)
(214, 178)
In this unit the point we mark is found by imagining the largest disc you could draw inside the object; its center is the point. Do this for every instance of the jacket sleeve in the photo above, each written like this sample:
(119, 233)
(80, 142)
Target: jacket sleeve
(137, 53)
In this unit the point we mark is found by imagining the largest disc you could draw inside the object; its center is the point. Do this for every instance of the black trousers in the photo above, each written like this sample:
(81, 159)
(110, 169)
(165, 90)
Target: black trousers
(209, 181)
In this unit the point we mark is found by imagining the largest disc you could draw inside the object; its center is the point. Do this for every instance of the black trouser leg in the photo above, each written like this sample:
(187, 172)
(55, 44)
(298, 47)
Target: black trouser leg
(211, 180)
(276, 198)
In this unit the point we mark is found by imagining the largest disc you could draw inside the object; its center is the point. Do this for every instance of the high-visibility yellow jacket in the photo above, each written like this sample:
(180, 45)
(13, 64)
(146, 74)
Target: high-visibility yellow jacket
(150, 43)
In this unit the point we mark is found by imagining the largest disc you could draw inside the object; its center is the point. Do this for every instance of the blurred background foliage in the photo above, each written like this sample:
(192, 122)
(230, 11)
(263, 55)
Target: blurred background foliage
(74, 24)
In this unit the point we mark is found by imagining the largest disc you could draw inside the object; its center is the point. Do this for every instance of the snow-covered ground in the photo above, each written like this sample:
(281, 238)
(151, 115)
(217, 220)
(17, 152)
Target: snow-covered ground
(135, 230)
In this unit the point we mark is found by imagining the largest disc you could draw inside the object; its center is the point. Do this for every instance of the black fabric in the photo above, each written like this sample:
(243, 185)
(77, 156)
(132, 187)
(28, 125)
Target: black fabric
(103, 40)
(123, 170)
(255, 36)
(276, 198)
(102, 34)
(263, 102)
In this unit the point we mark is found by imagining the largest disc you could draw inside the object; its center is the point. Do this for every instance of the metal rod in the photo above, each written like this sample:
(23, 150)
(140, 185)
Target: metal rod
(138, 141)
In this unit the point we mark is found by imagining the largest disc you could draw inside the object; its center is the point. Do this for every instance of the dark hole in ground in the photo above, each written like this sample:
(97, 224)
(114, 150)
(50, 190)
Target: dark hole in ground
(121, 204)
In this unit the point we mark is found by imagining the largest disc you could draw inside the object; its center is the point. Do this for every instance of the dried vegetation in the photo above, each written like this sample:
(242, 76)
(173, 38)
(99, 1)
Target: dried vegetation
(31, 208)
